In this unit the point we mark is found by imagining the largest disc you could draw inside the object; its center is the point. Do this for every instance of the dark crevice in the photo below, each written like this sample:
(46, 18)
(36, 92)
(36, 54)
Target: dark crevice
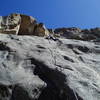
(67, 58)
(70, 46)
(57, 88)
(40, 47)
(80, 58)
(83, 49)
(76, 52)
(4, 47)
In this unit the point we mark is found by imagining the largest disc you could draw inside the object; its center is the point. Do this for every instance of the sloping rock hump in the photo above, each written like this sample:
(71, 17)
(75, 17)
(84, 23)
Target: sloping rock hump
(34, 68)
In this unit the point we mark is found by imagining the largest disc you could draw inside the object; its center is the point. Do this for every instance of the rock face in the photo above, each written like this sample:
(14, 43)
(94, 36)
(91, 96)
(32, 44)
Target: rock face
(77, 33)
(10, 24)
(27, 25)
(63, 66)
(22, 25)
(34, 68)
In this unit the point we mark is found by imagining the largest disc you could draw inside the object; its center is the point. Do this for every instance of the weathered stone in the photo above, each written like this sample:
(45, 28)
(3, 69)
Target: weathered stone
(20, 24)
(78, 34)
(37, 68)
(40, 30)
(10, 24)
(27, 25)
(33, 68)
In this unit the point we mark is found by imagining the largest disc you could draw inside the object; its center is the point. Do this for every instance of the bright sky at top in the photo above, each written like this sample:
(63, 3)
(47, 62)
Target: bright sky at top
(57, 13)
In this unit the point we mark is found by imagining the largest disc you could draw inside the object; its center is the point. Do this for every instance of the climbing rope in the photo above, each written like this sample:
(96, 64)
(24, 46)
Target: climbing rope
(54, 57)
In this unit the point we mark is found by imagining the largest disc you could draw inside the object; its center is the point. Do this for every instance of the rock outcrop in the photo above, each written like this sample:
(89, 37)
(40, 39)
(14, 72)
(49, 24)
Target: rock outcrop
(22, 25)
(34, 68)
(77, 33)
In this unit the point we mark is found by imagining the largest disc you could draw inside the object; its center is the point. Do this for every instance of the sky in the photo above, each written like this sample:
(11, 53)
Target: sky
(57, 13)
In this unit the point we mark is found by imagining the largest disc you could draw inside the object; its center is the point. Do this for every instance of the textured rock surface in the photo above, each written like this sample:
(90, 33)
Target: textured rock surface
(78, 34)
(27, 25)
(22, 25)
(34, 68)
